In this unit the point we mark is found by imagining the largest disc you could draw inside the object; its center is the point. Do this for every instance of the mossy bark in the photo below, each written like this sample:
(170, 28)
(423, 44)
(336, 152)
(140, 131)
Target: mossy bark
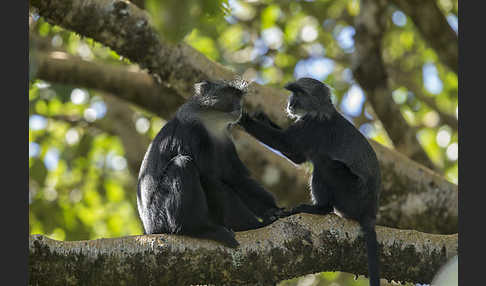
(290, 247)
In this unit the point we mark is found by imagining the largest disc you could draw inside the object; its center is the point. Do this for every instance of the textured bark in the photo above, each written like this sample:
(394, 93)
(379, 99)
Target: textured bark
(131, 85)
(369, 71)
(414, 196)
(290, 247)
(435, 29)
(179, 66)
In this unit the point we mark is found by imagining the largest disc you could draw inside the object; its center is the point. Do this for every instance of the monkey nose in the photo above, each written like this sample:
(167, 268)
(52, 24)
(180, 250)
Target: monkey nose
(290, 86)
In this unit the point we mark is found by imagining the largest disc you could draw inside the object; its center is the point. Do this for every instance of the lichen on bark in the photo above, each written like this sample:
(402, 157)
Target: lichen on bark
(290, 247)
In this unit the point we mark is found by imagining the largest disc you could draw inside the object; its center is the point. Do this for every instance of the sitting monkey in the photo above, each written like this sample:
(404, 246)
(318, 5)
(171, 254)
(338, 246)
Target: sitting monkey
(192, 181)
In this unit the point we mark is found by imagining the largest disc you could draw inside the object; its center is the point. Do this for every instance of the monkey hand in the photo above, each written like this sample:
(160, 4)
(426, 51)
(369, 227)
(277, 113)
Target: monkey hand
(256, 116)
(260, 116)
(276, 213)
(282, 212)
(263, 118)
(245, 118)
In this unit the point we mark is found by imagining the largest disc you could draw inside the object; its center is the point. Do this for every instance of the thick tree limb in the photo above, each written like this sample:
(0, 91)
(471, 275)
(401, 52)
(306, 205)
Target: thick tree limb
(435, 29)
(131, 85)
(414, 196)
(125, 28)
(369, 71)
(290, 247)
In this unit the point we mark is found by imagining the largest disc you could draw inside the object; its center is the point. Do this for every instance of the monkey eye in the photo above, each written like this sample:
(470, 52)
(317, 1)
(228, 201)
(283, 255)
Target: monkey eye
(299, 93)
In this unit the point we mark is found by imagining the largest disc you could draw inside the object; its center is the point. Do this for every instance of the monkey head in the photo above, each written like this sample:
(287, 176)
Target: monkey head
(221, 99)
(309, 97)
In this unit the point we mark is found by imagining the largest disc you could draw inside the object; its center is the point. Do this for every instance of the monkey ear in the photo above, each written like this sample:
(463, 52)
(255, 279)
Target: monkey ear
(201, 87)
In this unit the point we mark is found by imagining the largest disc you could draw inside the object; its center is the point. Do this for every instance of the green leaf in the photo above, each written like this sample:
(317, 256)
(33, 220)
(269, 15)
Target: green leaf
(38, 172)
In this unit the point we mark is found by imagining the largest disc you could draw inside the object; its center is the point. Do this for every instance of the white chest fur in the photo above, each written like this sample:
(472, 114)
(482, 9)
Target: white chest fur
(216, 124)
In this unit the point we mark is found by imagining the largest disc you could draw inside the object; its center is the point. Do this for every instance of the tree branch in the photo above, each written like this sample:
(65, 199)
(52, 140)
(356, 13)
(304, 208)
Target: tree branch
(435, 29)
(180, 65)
(290, 247)
(369, 71)
(131, 85)
(414, 196)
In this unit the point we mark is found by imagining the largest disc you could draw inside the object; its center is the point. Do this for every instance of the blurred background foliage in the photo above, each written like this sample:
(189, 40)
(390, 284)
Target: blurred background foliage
(81, 185)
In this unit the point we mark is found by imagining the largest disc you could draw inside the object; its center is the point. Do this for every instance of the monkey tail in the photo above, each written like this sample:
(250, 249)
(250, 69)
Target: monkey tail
(372, 253)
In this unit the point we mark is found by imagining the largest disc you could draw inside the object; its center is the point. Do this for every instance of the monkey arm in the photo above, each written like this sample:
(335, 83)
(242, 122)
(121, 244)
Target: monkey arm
(263, 118)
(256, 198)
(272, 137)
(251, 191)
(216, 198)
(237, 177)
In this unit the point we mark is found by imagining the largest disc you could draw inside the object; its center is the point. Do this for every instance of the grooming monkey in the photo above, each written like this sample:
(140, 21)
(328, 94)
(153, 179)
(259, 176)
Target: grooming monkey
(346, 176)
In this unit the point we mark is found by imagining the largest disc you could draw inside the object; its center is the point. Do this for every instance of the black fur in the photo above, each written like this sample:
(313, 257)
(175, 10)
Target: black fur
(192, 181)
(346, 176)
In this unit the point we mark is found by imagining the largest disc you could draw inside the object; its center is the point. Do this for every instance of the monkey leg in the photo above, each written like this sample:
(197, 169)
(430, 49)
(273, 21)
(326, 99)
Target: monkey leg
(253, 195)
(227, 208)
(310, 209)
(239, 216)
(262, 117)
(218, 233)
(321, 196)
(186, 206)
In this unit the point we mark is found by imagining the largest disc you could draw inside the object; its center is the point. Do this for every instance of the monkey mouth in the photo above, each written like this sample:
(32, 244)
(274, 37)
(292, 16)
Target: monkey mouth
(295, 113)
(291, 111)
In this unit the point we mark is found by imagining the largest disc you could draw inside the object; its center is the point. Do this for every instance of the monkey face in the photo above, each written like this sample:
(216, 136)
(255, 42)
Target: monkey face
(309, 96)
(223, 99)
(296, 104)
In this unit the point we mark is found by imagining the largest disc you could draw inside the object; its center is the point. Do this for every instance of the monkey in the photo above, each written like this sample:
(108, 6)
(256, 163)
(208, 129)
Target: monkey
(191, 180)
(346, 175)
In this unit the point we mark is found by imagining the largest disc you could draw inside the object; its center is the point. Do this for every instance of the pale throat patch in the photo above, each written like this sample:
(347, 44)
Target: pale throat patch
(296, 114)
(216, 123)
